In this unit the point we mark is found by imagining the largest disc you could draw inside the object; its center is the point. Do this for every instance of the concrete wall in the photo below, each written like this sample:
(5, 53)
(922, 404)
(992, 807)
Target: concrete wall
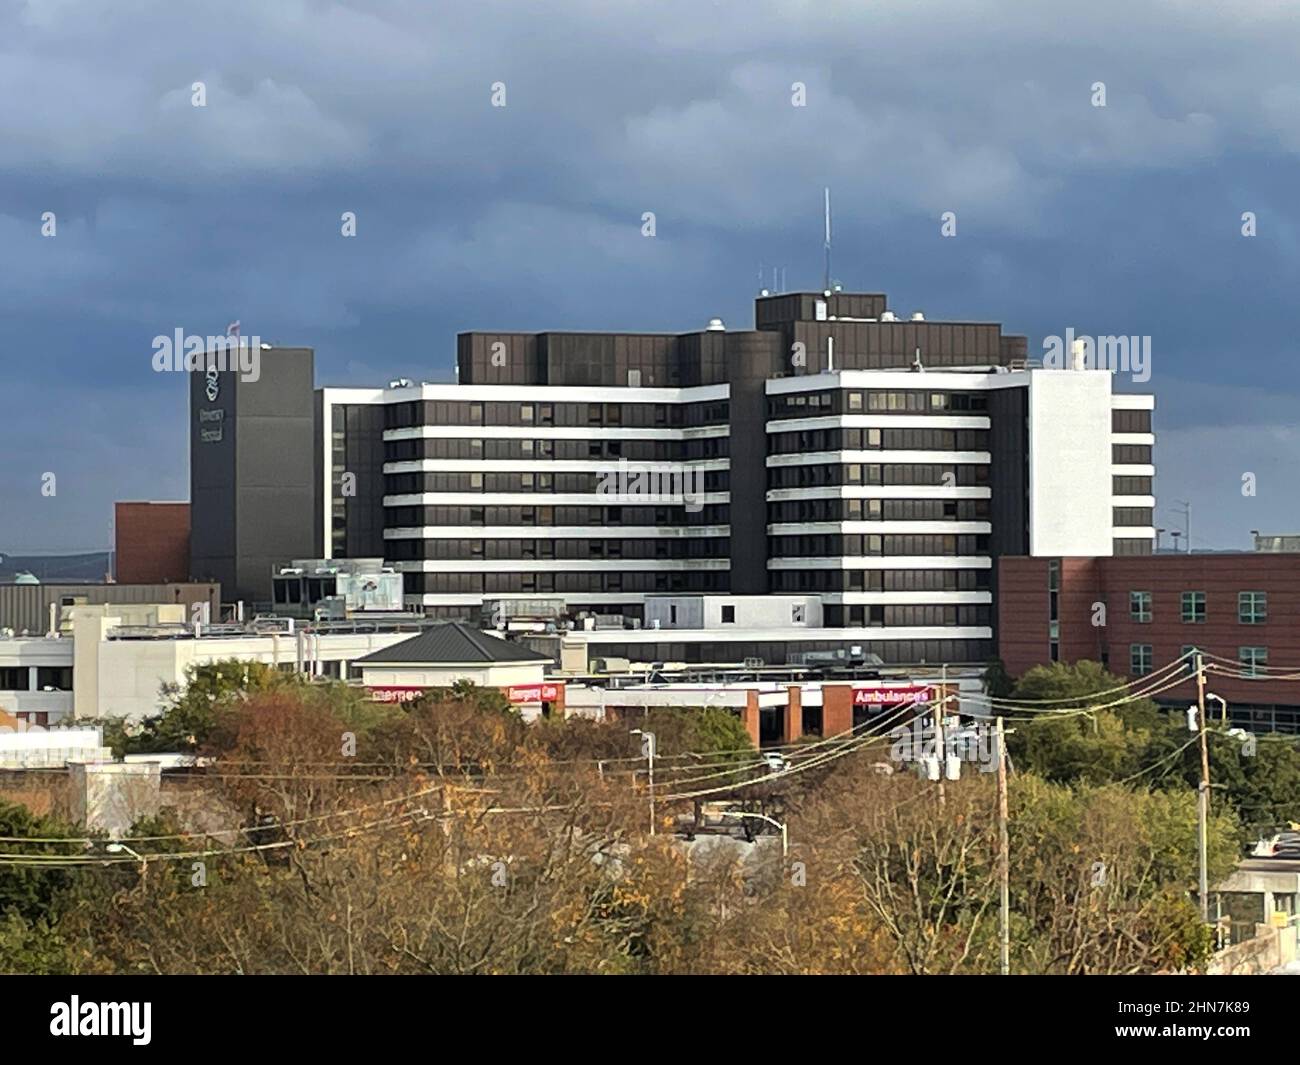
(1070, 463)
(54, 748)
(762, 612)
(111, 797)
(1270, 949)
(130, 672)
(29, 654)
(27, 606)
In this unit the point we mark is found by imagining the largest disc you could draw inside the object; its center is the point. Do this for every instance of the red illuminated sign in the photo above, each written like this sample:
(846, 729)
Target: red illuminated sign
(535, 693)
(891, 696)
(518, 693)
(395, 695)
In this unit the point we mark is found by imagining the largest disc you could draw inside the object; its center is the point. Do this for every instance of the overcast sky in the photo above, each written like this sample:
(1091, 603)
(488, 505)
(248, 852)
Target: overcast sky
(1122, 219)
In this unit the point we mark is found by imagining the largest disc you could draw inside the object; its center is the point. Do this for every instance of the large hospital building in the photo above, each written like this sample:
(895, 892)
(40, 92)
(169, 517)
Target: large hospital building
(837, 478)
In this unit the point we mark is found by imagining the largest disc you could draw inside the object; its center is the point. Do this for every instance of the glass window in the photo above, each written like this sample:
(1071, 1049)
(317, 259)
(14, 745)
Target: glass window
(728, 615)
(1252, 607)
(1139, 659)
(1193, 608)
(1253, 659)
(1139, 606)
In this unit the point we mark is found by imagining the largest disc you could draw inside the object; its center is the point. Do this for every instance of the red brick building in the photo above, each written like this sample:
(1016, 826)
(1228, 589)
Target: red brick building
(151, 542)
(1136, 614)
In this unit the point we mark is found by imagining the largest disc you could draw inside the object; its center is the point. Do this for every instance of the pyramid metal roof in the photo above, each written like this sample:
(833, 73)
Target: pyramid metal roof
(453, 643)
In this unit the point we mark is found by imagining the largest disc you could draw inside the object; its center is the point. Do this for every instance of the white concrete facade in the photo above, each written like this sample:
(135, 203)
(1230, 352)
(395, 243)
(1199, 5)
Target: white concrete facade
(1070, 463)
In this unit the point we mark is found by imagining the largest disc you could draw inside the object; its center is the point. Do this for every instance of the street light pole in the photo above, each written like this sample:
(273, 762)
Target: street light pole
(120, 848)
(648, 749)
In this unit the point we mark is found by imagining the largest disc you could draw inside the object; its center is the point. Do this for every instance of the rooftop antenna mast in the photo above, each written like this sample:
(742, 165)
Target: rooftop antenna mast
(827, 287)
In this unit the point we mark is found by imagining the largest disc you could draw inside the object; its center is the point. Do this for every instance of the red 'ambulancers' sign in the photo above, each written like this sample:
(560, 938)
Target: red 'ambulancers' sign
(889, 696)
(394, 695)
(534, 693)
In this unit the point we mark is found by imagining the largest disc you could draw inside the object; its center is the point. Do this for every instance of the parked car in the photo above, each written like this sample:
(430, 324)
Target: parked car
(1283, 845)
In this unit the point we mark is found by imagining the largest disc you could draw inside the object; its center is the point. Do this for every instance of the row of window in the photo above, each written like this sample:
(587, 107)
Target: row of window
(566, 548)
(876, 580)
(1135, 546)
(845, 401)
(708, 447)
(803, 441)
(682, 483)
(831, 545)
(892, 652)
(1130, 486)
(547, 516)
(1130, 454)
(1252, 659)
(1252, 607)
(807, 510)
(499, 448)
(1132, 517)
(857, 615)
(561, 582)
(824, 474)
(18, 678)
(1130, 421)
(635, 415)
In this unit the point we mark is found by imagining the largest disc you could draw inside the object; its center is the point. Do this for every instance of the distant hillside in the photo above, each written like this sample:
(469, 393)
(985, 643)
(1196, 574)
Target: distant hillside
(77, 569)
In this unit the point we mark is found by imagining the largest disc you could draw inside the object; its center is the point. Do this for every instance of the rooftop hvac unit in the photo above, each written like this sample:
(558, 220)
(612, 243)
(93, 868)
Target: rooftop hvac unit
(716, 326)
(888, 316)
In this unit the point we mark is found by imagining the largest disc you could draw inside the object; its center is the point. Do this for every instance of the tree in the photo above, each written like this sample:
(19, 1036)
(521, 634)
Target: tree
(1097, 746)
(34, 892)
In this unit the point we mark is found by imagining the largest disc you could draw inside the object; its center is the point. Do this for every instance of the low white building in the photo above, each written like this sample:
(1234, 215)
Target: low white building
(445, 654)
(118, 658)
(713, 612)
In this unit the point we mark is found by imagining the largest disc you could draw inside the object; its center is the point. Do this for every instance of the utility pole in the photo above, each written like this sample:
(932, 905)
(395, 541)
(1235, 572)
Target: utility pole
(1004, 852)
(827, 279)
(938, 729)
(1186, 504)
(1203, 807)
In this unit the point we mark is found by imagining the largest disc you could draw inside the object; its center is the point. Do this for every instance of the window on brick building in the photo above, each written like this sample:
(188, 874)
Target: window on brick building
(1253, 660)
(1139, 606)
(1252, 608)
(1193, 608)
(1139, 659)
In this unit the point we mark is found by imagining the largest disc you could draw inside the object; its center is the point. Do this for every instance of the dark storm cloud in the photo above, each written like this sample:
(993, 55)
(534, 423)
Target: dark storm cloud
(1123, 219)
